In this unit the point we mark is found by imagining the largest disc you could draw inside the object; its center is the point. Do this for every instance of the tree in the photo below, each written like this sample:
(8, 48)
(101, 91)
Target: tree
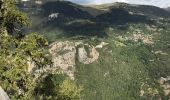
(15, 49)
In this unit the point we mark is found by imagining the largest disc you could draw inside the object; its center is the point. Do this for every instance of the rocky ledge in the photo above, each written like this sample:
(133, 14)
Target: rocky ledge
(65, 54)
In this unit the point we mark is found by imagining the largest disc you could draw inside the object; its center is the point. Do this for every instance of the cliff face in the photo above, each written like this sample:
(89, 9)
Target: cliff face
(64, 56)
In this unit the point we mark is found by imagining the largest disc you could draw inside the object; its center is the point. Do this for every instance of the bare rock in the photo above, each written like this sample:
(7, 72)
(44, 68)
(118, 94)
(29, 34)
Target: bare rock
(146, 39)
(164, 83)
(83, 56)
(53, 16)
(3, 95)
(160, 52)
(101, 45)
(64, 57)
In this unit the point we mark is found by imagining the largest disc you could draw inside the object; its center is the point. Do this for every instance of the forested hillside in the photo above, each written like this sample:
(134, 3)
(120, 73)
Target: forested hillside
(59, 50)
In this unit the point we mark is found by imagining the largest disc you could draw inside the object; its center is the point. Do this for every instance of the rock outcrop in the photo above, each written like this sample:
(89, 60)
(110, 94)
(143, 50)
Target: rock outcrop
(64, 56)
(3, 95)
(83, 55)
(146, 39)
(164, 83)
(101, 45)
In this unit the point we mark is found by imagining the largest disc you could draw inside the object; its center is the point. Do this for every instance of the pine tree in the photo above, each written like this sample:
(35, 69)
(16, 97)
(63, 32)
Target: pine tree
(15, 49)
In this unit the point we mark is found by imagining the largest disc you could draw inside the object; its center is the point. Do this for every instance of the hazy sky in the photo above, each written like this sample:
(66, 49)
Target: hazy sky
(159, 3)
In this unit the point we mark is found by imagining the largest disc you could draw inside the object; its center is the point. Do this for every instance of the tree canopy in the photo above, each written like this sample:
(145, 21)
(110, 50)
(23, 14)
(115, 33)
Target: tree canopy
(15, 49)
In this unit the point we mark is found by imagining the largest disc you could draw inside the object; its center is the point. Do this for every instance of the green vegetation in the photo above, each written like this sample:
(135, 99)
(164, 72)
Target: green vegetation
(128, 68)
(58, 87)
(125, 65)
(15, 50)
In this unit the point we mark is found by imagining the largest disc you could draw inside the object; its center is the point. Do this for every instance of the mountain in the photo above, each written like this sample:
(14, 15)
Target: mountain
(116, 51)
(146, 10)
(66, 8)
(73, 19)
(168, 9)
(70, 18)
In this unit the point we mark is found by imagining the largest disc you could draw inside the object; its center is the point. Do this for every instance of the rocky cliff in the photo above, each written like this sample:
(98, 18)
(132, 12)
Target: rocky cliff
(65, 54)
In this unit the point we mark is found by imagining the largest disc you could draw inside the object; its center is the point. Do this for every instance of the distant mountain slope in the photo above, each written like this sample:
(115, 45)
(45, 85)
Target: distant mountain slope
(168, 9)
(65, 8)
(147, 10)
(69, 9)
(78, 20)
(122, 16)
